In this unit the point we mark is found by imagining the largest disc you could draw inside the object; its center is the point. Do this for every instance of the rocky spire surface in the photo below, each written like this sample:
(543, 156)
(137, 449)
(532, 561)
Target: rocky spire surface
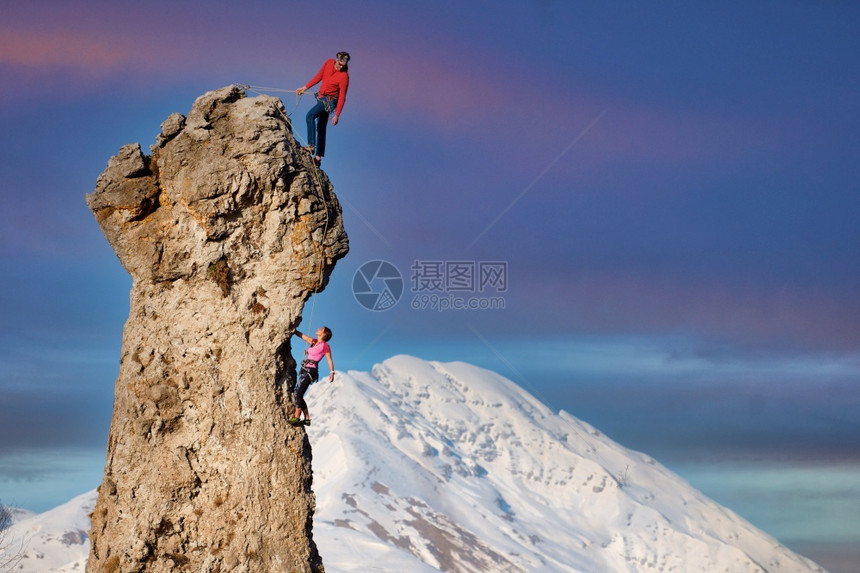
(227, 228)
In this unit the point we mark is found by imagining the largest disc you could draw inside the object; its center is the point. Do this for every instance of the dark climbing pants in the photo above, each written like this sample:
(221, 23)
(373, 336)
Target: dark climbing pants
(317, 120)
(307, 376)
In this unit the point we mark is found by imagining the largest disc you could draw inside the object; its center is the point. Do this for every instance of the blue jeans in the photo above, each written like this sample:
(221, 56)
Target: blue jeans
(317, 120)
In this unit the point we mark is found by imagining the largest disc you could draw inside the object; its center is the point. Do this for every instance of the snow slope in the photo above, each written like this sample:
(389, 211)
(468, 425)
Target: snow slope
(54, 541)
(423, 466)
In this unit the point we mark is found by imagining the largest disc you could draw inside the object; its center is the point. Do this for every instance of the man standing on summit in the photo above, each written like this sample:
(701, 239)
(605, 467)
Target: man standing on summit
(334, 76)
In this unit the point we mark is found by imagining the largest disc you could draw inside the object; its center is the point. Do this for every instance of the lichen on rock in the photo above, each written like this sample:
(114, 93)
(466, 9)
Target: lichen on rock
(226, 229)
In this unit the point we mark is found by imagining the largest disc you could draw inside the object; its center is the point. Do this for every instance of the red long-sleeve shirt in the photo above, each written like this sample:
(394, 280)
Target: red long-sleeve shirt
(334, 83)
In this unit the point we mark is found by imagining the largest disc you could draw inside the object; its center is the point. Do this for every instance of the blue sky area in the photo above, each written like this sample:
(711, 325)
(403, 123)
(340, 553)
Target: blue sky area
(673, 188)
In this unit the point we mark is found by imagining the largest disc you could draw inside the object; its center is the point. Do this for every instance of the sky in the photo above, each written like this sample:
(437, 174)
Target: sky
(670, 191)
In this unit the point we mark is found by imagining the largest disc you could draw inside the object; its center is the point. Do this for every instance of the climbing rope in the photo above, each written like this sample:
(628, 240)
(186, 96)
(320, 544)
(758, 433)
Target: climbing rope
(264, 90)
(261, 90)
(315, 172)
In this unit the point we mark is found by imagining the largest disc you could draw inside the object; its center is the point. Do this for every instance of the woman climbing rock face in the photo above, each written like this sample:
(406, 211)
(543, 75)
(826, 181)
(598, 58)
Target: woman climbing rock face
(309, 372)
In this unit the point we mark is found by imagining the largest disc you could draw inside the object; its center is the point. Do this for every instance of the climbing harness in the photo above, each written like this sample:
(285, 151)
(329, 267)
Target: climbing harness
(327, 101)
(310, 366)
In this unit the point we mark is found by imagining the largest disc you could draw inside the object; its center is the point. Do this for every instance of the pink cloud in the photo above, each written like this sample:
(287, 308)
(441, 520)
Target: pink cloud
(401, 76)
(458, 93)
(421, 87)
(42, 50)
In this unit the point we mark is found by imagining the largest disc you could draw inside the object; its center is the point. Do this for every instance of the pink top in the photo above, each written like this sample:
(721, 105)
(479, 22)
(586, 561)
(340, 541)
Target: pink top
(318, 350)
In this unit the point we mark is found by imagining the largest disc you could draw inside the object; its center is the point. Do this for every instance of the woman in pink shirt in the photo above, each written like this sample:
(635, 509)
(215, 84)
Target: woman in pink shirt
(334, 76)
(309, 372)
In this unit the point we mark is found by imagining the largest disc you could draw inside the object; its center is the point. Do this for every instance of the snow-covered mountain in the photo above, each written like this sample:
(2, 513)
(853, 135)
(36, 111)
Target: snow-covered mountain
(424, 466)
(421, 466)
(54, 541)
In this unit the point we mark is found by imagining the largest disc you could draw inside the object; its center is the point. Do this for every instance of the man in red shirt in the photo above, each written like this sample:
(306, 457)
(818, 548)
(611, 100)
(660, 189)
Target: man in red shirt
(334, 76)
